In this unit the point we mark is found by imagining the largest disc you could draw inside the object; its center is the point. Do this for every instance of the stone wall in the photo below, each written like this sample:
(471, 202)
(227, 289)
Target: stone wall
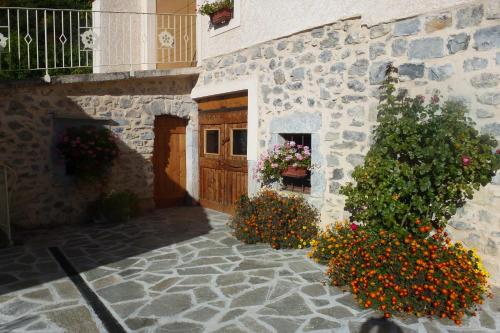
(335, 71)
(31, 114)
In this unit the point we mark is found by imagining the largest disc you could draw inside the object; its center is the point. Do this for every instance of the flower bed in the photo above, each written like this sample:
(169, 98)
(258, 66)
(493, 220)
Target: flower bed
(282, 221)
(393, 274)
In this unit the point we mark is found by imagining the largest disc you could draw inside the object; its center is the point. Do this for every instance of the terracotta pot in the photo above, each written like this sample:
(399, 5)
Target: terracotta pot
(294, 172)
(223, 16)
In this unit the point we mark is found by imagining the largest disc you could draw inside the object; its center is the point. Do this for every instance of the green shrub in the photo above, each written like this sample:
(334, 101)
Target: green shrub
(282, 221)
(116, 207)
(425, 162)
(209, 8)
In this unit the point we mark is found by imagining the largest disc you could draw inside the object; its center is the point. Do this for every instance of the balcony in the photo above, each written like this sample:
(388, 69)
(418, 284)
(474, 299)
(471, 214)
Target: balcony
(38, 42)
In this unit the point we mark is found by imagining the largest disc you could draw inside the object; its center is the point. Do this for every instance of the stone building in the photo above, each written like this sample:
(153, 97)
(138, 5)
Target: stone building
(308, 71)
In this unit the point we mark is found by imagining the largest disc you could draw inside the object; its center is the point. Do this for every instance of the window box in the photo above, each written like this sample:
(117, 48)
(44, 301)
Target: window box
(294, 172)
(221, 17)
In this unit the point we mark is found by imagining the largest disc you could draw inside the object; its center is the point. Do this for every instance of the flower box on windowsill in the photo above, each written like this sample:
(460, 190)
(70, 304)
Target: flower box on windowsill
(221, 17)
(294, 172)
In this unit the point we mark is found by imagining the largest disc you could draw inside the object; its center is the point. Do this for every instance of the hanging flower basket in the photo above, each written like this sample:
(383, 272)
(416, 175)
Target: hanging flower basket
(294, 172)
(222, 16)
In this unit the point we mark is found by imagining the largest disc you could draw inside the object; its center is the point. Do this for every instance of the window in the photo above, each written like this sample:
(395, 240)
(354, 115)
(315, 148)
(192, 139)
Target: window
(239, 141)
(300, 185)
(212, 141)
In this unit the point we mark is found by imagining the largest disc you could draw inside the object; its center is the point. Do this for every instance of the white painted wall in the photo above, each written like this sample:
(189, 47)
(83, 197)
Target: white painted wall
(124, 39)
(263, 20)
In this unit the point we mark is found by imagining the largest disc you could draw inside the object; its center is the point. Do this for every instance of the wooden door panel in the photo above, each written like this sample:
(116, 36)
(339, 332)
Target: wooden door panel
(223, 176)
(169, 161)
(237, 185)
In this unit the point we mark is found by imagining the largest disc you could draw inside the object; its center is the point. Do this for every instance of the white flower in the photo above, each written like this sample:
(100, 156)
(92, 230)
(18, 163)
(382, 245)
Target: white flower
(166, 39)
(89, 39)
(3, 42)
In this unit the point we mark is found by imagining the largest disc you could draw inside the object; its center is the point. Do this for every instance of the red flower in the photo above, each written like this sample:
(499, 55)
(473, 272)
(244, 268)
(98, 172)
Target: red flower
(497, 151)
(466, 160)
(354, 226)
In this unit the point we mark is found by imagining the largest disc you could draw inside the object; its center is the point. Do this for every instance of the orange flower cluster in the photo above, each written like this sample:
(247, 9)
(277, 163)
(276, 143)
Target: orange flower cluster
(282, 221)
(403, 274)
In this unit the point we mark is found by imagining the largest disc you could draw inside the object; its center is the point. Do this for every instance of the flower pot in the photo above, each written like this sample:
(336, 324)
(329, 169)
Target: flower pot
(294, 172)
(222, 16)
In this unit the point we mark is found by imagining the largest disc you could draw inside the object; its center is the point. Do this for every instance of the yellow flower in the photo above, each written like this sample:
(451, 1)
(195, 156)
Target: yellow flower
(300, 246)
(304, 227)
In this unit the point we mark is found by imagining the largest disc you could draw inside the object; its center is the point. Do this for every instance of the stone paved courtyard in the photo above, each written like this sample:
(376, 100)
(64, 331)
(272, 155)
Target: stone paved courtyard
(180, 270)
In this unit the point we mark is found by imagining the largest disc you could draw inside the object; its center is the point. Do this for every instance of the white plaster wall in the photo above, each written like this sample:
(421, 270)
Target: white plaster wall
(126, 35)
(263, 20)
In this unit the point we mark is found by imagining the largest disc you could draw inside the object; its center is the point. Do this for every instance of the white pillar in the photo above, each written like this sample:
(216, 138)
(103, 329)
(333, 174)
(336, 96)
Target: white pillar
(148, 34)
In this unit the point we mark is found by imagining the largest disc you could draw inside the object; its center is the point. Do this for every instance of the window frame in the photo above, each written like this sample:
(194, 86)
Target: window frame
(205, 130)
(231, 148)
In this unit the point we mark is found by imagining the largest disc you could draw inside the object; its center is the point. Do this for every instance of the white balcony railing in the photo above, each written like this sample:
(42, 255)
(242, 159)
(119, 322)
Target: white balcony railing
(58, 41)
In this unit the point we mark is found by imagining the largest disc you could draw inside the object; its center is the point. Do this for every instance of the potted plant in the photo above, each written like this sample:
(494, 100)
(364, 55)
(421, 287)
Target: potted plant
(220, 12)
(284, 160)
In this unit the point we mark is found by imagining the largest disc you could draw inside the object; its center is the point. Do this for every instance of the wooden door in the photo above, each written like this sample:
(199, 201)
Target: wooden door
(169, 161)
(223, 151)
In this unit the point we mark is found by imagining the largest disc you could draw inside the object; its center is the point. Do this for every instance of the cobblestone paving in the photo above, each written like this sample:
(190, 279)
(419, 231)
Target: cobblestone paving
(180, 270)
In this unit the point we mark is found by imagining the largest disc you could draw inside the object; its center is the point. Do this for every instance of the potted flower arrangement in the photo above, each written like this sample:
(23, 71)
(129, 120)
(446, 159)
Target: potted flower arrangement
(88, 152)
(288, 159)
(220, 12)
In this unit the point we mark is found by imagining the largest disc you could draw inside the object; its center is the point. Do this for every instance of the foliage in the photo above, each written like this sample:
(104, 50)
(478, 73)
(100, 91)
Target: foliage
(13, 66)
(115, 207)
(425, 162)
(394, 274)
(88, 152)
(59, 4)
(209, 8)
(275, 161)
(282, 221)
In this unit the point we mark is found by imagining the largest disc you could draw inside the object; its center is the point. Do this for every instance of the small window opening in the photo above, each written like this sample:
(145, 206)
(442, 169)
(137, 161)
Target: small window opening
(299, 185)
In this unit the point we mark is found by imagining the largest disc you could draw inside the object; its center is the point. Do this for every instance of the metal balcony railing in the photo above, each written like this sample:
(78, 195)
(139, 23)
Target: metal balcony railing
(64, 41)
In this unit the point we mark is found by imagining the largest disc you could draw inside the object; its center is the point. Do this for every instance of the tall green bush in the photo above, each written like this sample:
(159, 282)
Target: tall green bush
(426, 160)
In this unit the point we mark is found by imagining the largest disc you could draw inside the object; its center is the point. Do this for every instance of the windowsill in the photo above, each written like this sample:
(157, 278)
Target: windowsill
(289, 193)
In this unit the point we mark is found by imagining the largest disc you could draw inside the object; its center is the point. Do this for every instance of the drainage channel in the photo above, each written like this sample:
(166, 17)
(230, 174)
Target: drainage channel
(109, 322)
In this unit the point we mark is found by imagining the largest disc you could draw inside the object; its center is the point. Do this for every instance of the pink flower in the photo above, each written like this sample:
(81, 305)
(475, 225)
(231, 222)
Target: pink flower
(274, 165)
(354, 226)
(435, 99)
(466, 160)
(421, 98)
(292, 143)
(288, 157)
(299, 156)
